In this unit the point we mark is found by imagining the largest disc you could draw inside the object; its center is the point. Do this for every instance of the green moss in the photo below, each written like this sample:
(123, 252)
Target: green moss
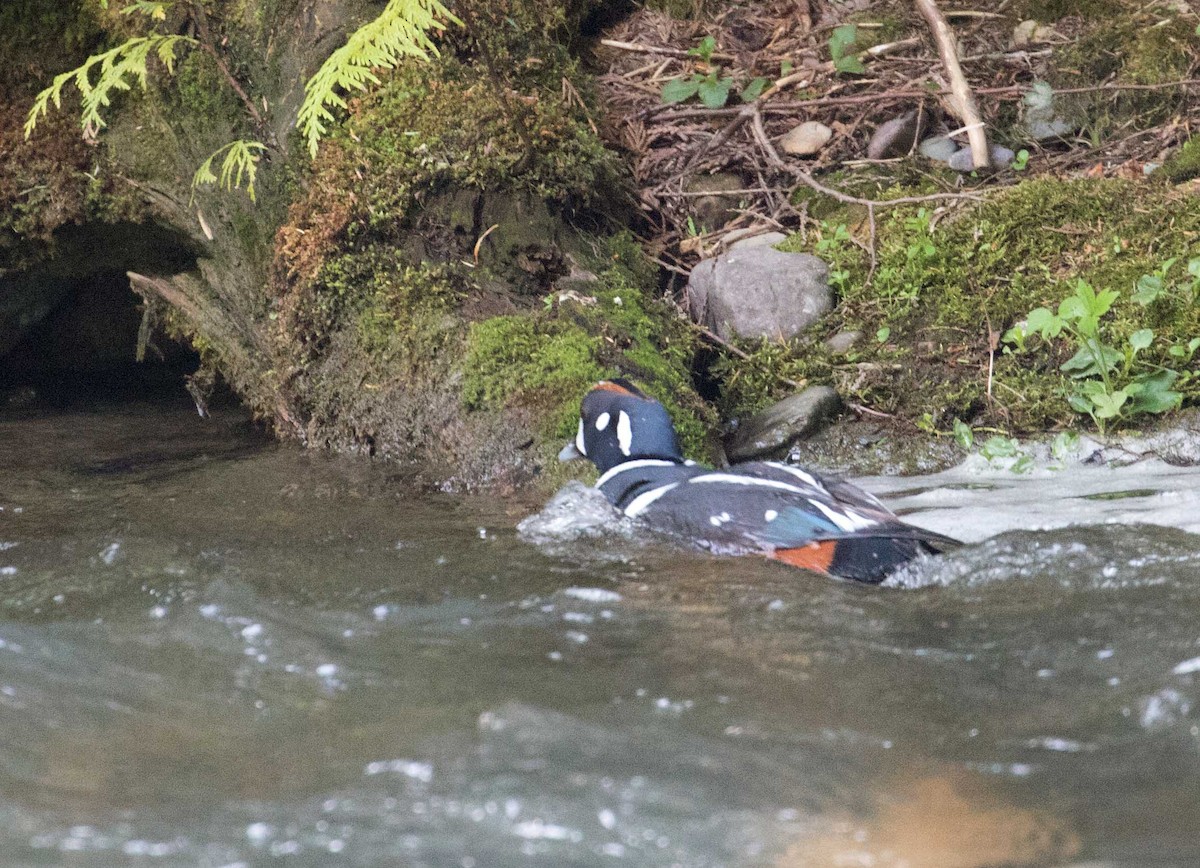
(547, 365)
(1184, 164)
(1052, 10)
(593, 329)
(937, 295)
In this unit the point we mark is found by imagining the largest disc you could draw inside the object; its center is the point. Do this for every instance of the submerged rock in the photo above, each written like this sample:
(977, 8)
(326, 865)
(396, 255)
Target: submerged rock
(806, 139)
(755, 291)
(771, 432)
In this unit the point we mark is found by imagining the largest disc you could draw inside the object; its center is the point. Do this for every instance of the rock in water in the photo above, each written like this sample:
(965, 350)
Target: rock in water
(755, 291)
(806, 139)
(771, 432)
(896, 137)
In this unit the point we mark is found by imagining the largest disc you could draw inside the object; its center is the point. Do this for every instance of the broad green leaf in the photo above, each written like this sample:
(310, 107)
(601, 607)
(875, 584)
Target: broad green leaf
(1045, 323)
(714, 92)
(849, 63)
(999, 447)
(1149, 286)
(754, 90)
(1108, 405)
(1079, 403)
(679, 89)
(1156, 395)
(1088, 360)
(843, 40)
(1141, 339)
(963, 435)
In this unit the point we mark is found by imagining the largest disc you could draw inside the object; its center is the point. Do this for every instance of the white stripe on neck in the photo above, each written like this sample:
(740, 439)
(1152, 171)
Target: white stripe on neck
(632, 465)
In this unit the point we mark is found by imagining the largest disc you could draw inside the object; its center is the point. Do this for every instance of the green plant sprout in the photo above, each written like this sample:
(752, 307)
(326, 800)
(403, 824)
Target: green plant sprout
(843, 49)
(1109, 383)
(712, 87)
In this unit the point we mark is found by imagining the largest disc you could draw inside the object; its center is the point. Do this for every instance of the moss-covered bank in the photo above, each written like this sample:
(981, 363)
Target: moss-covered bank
(945, 291)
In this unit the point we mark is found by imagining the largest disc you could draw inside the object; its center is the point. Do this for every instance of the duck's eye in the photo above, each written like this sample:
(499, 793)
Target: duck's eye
(579, 440)
(602, 421)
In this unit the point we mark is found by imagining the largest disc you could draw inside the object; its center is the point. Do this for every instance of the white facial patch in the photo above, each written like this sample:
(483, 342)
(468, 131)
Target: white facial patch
(624, 432)
(602, 421)
(579, 439)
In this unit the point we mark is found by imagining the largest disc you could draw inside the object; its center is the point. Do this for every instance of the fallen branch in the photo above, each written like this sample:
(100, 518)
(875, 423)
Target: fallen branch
(963, 101)
(657, 49)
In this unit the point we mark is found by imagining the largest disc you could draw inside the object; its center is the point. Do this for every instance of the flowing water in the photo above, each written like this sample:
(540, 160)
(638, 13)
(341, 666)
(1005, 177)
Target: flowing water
(215, 651)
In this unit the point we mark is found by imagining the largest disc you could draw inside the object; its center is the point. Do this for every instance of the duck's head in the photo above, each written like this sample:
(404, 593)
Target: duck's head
(618, 422)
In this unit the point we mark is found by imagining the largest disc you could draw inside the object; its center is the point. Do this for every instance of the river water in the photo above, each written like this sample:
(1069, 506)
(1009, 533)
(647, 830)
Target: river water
(216, 651)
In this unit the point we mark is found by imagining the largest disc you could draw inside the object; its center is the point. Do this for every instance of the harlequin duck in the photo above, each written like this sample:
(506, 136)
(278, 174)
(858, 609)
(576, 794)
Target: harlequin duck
(806, 520)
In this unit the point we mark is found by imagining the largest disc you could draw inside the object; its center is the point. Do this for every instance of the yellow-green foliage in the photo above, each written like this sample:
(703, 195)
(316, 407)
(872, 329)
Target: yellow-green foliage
(401, 30)
(937, 294)
(118, 68)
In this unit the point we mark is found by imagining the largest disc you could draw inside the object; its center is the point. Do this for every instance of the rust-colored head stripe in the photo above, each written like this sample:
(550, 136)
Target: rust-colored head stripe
(621, 387)
(816, 556)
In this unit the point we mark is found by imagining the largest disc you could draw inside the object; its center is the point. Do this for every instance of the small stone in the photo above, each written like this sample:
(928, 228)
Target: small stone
(1030, 31)
(939, 148)
(1046, 129)
(763, 239)
(1001, 157)
(806, 139)
(772, 431)
(843, 341)
(896, 137)
(757, 291)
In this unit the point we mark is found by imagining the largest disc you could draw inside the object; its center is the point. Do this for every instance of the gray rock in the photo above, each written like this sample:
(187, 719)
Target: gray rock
(1044, 115)
(806, 139)
(843, 341)
(1001, 157)
(759, 292)
(896, 137)
(764, 239)
(940, 148)
(1029, 32)
(772, 431)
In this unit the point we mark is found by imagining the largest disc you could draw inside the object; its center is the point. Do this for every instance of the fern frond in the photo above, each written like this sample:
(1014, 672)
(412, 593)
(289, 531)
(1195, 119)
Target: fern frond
(129, 59)
(401, 30)
(240, 163)
(156, 9)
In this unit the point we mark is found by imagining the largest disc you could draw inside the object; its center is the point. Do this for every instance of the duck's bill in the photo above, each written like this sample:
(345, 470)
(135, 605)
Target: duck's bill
(569, 453)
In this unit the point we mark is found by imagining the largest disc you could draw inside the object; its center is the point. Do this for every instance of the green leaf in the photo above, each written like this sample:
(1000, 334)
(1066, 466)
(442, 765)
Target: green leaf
(843, 41)
(1088, 360)
(849, 63)
(1141, 339)
(883, 334)
(963, 435)
(680, 89)
(1155, 394)
(1108, 405)
(1149, 286)
(1045, 323)
(999, 447)
(1079, 403)
(1063, 444)
(754, 90)
(714, 92)
(704, 49)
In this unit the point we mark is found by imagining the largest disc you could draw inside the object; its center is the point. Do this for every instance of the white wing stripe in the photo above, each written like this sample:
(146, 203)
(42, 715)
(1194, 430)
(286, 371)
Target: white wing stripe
(638, 505)
(748, 480)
